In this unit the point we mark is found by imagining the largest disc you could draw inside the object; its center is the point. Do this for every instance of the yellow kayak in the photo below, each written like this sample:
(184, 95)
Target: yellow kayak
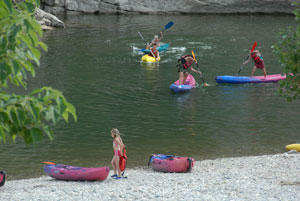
(293, 147)
(148, 59)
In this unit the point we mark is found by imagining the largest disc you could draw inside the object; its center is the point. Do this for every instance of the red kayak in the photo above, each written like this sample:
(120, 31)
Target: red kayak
(72, 173)
(170, 163)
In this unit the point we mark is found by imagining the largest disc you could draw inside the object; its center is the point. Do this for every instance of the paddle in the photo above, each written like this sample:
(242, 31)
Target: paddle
(49, 163)
(146, 43)
(167, 26)
(252, 49)
(199, 69)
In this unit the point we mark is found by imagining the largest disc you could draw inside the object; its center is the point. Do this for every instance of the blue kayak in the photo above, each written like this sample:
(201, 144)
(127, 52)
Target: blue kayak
(189, 84)
(246, 79)
(180, 88)
(162, 47)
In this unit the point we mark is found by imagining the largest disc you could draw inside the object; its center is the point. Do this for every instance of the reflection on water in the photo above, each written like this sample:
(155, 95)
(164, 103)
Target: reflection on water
(96, 63)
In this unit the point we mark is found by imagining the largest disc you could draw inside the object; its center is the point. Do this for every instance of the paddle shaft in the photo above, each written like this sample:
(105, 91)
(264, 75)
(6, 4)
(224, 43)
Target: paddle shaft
(146, 43)
(241, 68)
(193, 54)
(252, 49)
(200, 73)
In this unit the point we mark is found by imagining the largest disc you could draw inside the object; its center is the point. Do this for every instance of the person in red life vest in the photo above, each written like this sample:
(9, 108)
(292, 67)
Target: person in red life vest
(118, 147)
(153, 51)
(184, 65)
(156, 40)
(258, 62)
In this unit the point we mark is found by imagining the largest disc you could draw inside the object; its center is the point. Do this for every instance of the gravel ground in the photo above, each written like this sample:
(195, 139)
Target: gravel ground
(269, 177)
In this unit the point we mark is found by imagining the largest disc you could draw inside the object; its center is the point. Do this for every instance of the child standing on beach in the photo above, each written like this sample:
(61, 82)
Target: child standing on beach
(118, 147)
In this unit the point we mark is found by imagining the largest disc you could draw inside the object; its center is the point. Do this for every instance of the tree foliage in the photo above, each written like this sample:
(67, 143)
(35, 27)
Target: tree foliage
(288, 50)
(29, 116)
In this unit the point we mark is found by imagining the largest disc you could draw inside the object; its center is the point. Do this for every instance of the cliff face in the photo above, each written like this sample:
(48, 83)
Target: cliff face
(169, 6)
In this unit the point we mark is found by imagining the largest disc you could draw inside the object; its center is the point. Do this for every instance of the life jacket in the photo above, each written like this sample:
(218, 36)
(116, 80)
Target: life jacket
(257, 59)
(154, 52)
(185, 64)
(123, 160)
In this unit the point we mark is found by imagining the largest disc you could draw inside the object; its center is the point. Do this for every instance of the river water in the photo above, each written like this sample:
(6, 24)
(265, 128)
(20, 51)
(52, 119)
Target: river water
(94, 62)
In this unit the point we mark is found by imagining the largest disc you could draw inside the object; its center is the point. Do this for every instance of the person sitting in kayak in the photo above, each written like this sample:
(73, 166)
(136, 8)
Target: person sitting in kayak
(153, 51)
(184, 64)
(118, 147)
(258, 62)
(156, 40)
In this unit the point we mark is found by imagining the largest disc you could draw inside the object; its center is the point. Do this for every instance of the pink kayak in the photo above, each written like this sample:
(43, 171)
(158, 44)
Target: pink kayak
(66, 172)
(170, 163)
(189, 84)
(2, 178)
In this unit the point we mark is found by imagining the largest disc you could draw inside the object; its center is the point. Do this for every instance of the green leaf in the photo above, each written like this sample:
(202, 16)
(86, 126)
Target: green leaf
(27, 137)
(36, 134)
(37, 27)
(44, 46)
(2, 135)
(13, 117)
(9, 5)
(72, 110)
(48, 132)
(30, 7)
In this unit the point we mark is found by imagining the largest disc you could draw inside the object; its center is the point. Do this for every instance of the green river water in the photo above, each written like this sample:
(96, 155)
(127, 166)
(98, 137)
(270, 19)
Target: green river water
(94, 62)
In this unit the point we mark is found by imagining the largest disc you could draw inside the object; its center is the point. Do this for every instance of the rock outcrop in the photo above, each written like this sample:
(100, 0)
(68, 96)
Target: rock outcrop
(48, 20)
(170, 6)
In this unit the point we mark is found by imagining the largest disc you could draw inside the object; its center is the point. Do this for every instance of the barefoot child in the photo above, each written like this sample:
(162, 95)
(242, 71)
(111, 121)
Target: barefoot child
(258, 62)
(118, 147)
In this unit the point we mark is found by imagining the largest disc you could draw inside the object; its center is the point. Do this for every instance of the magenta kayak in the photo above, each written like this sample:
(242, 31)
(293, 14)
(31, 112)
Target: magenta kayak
(189, 84)
(170, 163)
(2, 178)
(72, 173)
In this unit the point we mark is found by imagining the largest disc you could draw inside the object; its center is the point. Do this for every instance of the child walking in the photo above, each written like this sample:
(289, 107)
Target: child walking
(118, 147)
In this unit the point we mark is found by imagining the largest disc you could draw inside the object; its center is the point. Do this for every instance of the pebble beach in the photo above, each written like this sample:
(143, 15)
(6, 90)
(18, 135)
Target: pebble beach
(268, 177)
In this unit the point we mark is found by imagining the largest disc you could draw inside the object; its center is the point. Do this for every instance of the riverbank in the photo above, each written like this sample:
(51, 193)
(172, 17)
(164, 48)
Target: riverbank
(268, 177)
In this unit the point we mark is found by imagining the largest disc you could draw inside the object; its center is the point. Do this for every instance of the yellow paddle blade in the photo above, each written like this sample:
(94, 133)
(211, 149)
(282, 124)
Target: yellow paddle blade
(194, 55)
(49, 163)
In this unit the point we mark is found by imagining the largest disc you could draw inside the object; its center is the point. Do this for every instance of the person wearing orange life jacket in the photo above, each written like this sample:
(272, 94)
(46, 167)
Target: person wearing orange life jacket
(184, 65)
(258, 62)
(153, 51)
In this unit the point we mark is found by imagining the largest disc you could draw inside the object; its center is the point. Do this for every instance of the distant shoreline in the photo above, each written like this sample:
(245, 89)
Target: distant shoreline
(267, 177)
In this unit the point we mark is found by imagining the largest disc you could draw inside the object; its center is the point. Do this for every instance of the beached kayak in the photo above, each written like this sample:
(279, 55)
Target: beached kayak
(170, 163)
(72, 173)
(293, 147)
(2, 178)
(189, 84)
(246, 79)
(148, 59)
(162, 47)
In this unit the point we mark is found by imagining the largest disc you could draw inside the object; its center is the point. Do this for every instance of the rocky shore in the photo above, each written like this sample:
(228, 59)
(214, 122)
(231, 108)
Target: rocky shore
(169, 6)
(269, 177)
(51, 8)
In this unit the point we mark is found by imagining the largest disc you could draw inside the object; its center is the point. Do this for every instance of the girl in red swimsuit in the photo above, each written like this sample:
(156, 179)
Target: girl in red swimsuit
(118, 147)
